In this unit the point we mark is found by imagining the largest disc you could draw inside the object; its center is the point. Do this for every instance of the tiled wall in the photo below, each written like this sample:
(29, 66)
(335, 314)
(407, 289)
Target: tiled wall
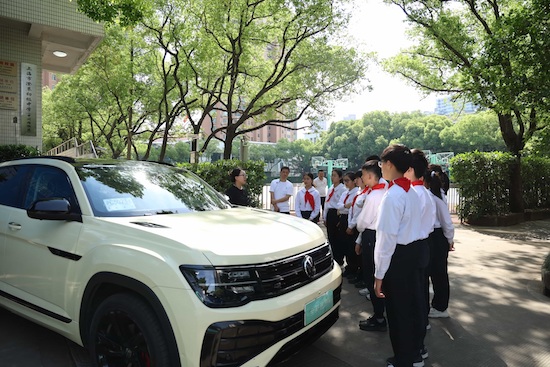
(55, 13)
(17, 47)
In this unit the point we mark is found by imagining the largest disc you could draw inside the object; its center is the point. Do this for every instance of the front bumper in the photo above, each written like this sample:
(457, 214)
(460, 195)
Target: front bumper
(233, 343)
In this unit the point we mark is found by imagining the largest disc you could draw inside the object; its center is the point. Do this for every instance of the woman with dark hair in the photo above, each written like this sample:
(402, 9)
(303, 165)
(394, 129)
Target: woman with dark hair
(330, 215)
(441, 241)
(236, 193)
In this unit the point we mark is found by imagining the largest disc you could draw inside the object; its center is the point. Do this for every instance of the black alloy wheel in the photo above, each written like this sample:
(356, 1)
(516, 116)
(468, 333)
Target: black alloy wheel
(125, 332)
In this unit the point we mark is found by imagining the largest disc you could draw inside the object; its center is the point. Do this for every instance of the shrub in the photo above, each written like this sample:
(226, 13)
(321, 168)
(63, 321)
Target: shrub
(484, 183)
(217, 175)
(535, 173)
(13, 151)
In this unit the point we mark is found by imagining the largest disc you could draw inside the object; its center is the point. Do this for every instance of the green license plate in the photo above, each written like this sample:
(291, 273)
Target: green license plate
(318, 307)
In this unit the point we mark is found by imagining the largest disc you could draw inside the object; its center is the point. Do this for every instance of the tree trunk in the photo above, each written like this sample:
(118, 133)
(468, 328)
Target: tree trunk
(514, 143)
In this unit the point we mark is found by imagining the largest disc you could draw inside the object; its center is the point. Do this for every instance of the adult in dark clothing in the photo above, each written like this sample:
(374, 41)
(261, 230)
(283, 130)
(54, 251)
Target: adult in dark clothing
(236, 193)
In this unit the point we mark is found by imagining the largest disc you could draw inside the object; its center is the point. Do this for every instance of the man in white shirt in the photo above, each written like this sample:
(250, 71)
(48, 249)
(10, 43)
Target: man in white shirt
(321, 184)
(281, 191)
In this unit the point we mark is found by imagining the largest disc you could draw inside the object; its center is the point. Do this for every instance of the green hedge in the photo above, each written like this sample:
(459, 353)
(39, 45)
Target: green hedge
(9, 152)
(484, 182)
(217, 175)
(535, 173)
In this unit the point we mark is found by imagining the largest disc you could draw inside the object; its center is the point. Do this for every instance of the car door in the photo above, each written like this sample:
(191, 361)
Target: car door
(39, 257)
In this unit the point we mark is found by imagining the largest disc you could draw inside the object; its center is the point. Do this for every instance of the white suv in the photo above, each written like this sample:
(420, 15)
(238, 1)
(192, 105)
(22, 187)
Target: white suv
(146, 265)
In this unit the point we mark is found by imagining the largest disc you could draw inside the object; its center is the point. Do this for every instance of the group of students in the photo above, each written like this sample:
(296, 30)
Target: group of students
(388, 223)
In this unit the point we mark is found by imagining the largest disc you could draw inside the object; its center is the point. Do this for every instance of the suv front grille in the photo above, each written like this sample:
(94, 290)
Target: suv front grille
(288, 274)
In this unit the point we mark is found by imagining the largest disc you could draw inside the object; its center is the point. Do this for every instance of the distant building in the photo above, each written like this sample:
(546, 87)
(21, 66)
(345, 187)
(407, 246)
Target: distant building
(50, 79)
(445, 106)
(350, 117)
(312, 134)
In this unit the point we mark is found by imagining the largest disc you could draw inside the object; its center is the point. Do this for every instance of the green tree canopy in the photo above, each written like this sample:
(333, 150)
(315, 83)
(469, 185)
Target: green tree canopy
(494, 53)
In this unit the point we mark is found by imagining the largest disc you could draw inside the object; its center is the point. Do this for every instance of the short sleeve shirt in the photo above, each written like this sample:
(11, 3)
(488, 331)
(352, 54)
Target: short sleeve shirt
(279, 190)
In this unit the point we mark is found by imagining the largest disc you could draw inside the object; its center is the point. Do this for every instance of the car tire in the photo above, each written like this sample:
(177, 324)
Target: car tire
(125, 331)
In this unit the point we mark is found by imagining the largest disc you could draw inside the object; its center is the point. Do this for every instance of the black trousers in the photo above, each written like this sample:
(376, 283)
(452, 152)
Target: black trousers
(353, 260)
(438, 269)
(403, 286)
(368, 239)
(334, 236)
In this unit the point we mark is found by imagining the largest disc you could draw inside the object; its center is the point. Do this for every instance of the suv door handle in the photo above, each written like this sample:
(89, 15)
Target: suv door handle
(14, 226)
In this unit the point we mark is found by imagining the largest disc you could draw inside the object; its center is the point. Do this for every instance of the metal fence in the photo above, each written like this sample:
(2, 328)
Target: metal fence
(453, 198)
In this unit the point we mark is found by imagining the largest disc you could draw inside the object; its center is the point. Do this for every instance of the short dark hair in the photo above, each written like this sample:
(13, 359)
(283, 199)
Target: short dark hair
(399, 155)
(419, 163)
(372, 166)
(320, 170)
(372, 157)
(309, 174)
(285, 167)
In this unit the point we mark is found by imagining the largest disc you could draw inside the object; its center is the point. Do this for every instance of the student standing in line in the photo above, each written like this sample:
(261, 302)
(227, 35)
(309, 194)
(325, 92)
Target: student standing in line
(281, 191)
(330, 215)
(366, 225)
(321, 184)
(419, 166)
(237, 193)
(441, 242)
(354, 211)
(308, 201)
(347, 240)
(397, 255)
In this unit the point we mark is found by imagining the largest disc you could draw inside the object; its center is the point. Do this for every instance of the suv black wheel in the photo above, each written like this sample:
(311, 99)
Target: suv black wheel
(125, 332)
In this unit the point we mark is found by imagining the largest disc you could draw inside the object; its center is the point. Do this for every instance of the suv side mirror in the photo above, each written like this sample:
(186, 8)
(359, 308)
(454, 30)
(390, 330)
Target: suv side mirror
(53, 209)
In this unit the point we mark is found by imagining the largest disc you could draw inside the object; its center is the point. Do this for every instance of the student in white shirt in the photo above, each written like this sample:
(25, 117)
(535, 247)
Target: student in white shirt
(419, 166)
(397, 254)
(441, 242)
(348, 240)
(308, 201)
(281, 191)
(330, 215)
(321, 184)
(366, 225)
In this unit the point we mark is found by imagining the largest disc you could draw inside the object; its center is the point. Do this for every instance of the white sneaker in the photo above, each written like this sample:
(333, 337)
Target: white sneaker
(437, 314)
(364, 292)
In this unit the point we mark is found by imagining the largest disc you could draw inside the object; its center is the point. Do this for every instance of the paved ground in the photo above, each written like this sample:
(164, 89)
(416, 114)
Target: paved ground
(499, 316)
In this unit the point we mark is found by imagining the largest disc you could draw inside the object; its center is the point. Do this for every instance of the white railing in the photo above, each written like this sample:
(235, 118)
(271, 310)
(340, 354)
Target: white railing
(71, 148)
(453, 198)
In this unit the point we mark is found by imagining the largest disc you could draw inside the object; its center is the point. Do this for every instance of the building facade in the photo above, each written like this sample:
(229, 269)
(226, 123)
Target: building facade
(37, 35)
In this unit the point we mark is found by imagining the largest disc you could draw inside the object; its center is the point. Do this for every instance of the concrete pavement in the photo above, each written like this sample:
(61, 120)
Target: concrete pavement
(499, 316)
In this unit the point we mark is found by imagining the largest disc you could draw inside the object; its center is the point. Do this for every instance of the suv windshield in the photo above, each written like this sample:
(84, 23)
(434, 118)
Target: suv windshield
(124, 189)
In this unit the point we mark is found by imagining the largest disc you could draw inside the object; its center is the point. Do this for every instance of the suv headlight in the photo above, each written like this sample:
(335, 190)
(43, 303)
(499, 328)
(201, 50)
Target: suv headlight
(222, 286)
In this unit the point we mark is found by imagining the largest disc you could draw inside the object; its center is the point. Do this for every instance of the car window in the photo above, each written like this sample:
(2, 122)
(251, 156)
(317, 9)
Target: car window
(141, 188)
(49, 182)
(12, 182)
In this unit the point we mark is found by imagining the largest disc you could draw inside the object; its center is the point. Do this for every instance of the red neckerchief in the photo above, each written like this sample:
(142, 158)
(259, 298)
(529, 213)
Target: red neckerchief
(330, 195)
(361, 193)
(309, 199)
(346, 198)
(417, 183)
(402, 182)
(377, 187)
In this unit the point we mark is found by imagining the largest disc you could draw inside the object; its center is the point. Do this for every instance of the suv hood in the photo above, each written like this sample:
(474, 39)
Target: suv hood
(233, 236)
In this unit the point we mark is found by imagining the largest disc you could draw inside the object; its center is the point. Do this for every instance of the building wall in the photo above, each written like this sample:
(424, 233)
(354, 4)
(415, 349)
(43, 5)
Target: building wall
(16, 46)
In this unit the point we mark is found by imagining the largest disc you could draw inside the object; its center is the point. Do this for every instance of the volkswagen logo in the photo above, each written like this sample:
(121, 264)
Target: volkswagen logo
(309, 266)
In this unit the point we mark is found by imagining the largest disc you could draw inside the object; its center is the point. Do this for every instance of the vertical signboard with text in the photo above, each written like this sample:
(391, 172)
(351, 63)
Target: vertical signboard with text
(8, 85)
(28, 99)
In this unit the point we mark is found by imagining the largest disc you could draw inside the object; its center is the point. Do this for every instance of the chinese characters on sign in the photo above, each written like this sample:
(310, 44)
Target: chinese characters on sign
(8, 85)
(28, 99)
